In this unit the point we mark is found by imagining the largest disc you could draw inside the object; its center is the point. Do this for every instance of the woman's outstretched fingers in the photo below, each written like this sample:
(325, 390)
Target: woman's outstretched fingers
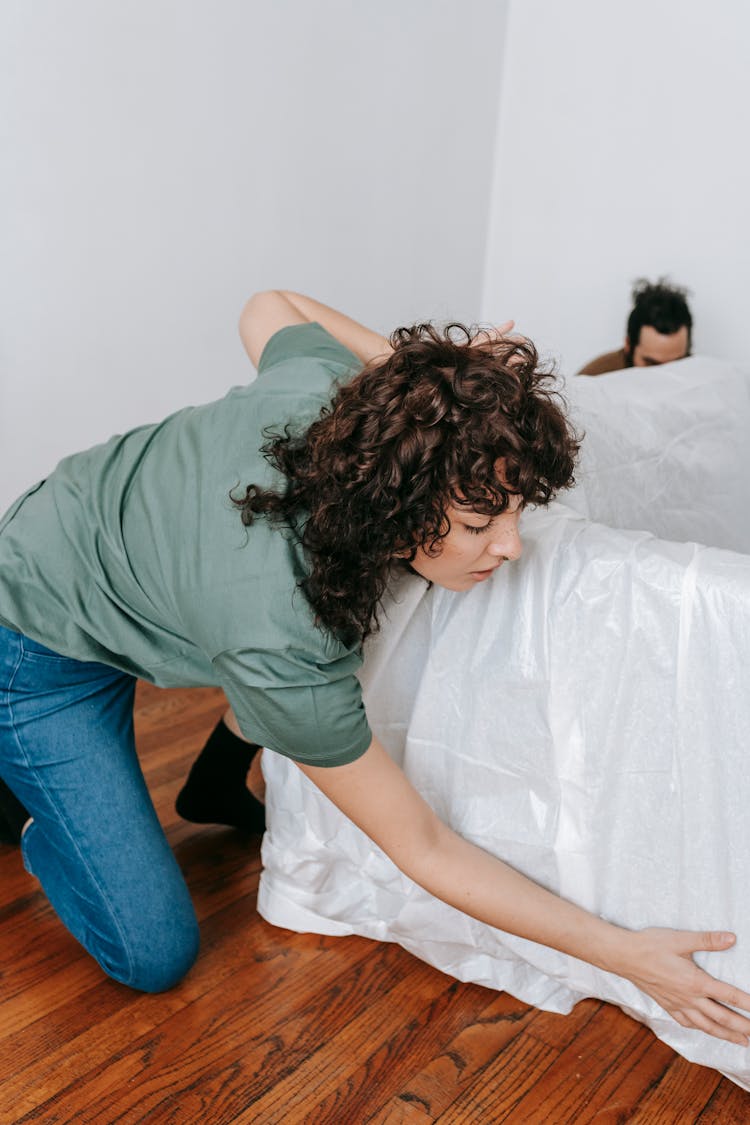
(730, 995)
(719, 1021)
(714, 1019)
(715, 940)
(734, 1027)
(716, 1014)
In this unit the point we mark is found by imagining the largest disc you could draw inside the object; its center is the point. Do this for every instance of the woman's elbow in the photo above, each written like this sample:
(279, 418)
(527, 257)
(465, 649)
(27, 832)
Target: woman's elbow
(417, 855)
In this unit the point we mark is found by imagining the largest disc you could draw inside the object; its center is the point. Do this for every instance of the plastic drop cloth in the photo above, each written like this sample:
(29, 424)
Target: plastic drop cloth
(582, 715)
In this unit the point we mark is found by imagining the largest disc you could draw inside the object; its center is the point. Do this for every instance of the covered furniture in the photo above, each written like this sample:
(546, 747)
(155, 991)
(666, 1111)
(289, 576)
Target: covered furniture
(583, 715)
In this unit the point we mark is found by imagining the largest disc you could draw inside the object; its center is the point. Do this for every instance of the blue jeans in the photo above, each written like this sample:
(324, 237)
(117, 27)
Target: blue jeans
(68, 753)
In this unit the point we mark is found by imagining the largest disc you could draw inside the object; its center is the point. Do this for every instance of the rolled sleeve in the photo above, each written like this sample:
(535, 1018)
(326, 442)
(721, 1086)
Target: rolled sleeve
(321, 723)
(306, 341)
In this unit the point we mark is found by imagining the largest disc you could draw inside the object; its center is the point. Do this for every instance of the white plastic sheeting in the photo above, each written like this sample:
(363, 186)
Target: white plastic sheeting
(667, 450)
(582, 715)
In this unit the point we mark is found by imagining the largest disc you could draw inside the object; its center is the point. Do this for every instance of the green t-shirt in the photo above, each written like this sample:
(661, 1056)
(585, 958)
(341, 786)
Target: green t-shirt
(132, 554)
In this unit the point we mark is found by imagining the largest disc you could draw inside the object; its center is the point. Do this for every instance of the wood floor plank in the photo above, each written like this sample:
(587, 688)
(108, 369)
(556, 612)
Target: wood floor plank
(682, 1094)
(728, 1105)
(504, 1083)
(373, 1035)
(466, 1057)
(594, 1074)
(15, 882)
(84, 1061)
(26, 964)
(400, 1112)
(361, 1067)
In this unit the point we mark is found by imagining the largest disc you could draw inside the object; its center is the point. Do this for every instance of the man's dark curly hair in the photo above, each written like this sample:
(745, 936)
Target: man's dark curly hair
(369, 481)
(661, 305)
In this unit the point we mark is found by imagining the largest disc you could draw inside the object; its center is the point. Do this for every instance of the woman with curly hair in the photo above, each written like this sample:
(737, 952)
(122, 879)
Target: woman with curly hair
(247, 543)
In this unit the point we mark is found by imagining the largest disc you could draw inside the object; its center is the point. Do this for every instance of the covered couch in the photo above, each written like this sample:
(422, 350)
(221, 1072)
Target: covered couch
(583, 714)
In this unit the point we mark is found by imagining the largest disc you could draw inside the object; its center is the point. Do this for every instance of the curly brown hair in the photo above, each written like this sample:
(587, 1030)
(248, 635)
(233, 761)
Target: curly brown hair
(368, 482)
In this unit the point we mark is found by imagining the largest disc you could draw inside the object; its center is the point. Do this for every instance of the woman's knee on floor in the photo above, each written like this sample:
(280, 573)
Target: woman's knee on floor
(155, 959)
(136, 920)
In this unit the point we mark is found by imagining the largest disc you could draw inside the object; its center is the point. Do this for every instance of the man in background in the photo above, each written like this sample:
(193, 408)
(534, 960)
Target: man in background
(659, 330)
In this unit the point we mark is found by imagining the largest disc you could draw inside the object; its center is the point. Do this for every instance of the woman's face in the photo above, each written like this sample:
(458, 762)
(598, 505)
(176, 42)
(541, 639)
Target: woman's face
(473, 549)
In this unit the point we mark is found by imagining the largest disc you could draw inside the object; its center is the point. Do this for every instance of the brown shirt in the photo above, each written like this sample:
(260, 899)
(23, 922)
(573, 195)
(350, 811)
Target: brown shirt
(610, 361)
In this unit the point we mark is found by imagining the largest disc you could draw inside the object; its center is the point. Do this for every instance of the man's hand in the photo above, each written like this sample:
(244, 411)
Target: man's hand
(494, 333)
(266, 313)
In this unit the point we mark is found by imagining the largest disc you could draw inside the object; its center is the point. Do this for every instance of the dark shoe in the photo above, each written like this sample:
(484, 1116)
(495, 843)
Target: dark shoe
(13, 816)
(216, 791)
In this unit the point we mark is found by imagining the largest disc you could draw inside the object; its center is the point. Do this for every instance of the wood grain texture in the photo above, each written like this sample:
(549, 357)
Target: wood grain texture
(272, 1026)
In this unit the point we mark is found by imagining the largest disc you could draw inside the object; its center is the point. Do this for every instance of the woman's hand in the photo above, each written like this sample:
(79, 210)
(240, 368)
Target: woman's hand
(660, 963)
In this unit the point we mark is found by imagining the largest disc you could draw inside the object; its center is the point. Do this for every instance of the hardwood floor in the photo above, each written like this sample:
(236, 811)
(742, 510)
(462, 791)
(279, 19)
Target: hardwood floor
(272, 1026)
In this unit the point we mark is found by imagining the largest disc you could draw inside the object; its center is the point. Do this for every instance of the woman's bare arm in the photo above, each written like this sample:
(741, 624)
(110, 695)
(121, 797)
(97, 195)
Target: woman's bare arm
(377, 796)
(267, 312)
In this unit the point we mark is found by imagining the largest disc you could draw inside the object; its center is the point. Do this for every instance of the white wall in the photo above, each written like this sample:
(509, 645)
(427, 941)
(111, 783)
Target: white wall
(165, 158)
(621, 152)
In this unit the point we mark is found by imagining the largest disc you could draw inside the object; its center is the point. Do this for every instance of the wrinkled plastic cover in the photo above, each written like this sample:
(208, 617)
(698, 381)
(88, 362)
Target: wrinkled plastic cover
(582, 715)
(667, 450)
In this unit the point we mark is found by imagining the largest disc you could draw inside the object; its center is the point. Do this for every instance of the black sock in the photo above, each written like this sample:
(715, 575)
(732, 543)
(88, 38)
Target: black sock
(13, 816)
(216, 790)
